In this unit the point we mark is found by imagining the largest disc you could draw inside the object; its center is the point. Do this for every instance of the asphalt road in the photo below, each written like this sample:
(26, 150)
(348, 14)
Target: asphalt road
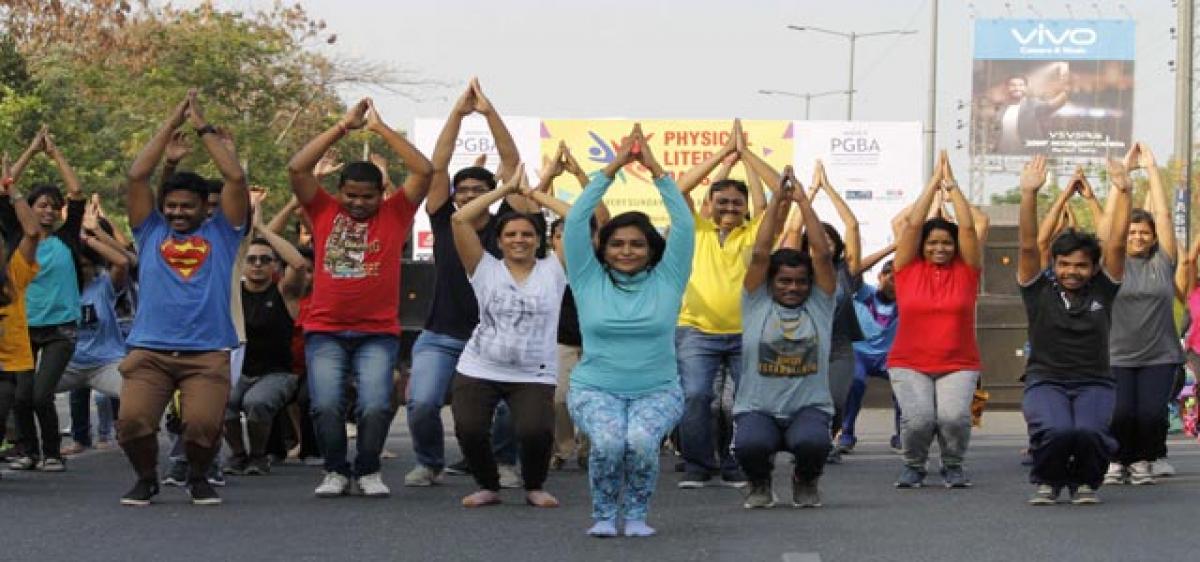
(75, 516)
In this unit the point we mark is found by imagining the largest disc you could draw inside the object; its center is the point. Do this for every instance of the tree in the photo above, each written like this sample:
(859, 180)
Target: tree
(103, 74)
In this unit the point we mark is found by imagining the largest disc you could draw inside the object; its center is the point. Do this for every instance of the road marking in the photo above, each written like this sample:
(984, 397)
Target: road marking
(801, 557)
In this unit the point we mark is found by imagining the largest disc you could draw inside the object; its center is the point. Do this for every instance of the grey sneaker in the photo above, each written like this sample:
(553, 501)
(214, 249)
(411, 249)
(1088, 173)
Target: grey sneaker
(508, 476)
(52, 464)
(237, 465)
(1161, 468)
(372, 486)
(761, 495)
(805, 493)
(955, 477)
(1085, 495)
(1139, 474)
(1045, 495)
(422, 476)
(910, 477)
(23, 463)
(1116, 475)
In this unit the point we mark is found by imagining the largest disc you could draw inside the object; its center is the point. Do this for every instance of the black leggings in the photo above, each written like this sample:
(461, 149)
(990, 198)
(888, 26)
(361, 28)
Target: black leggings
(532, 407)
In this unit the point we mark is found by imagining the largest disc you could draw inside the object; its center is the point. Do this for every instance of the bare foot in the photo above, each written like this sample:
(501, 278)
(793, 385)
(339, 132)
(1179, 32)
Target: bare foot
(481, 498)
(540, 498)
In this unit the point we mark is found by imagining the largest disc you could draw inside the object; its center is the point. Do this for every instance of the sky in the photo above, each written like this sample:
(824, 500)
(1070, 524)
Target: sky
(707, 59)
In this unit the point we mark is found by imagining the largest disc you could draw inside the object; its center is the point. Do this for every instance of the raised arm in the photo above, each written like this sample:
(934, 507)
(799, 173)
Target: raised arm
(70, 179)
(1162, 205)
(300, 167)
(968, 238)
(1114, 247)
(572, 166)
(177, 149)
(94, 237)
(31, 232)
(1029, 256)
(419, 168)
(824, 275)
(908, 243)
(872, 260)
(695, 176)
(853, 239)
(543, 193)
(505, 146)
(38, 143)
(760, 256)
(466, 240)
(139, 198)
(280, 220)
(1090, 199)
(1052, 223)
(443, 151)
(1185, 274)
(235, 195)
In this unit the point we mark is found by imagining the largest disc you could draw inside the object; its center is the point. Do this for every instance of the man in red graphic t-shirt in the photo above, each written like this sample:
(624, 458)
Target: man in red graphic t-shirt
(351, 326)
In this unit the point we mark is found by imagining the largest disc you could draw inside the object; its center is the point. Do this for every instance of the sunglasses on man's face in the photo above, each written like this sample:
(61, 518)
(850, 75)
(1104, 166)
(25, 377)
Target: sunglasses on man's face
(260, 260)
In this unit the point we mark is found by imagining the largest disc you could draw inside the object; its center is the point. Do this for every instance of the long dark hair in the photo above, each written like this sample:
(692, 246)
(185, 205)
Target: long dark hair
(640, 221)
(5, 293)
(535, 219)
(839, 247)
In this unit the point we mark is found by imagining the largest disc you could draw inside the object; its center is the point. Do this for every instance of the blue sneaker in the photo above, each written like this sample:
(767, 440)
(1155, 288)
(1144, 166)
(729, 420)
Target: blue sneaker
(846, 442)
(911, 477)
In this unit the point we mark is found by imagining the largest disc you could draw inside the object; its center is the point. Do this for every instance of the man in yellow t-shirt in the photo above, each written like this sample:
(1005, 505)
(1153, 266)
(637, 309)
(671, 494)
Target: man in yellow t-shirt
(709, 335)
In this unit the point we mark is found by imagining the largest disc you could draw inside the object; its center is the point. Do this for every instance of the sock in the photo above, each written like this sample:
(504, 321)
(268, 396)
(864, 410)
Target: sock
(638, 528)
(604, 528)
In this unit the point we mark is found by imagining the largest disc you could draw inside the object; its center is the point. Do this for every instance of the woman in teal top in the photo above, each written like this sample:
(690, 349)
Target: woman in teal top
(625, 392)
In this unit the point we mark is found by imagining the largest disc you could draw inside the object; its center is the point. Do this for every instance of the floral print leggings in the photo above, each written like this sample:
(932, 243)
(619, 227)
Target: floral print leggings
(625, 435)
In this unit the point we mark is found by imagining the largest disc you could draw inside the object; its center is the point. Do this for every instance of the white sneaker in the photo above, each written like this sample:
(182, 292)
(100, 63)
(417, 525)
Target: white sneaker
(332, 486)
(1116, 474)
(421, 476)
(508, 476)
(372, 486)
(1161, 467)
(1139, 474)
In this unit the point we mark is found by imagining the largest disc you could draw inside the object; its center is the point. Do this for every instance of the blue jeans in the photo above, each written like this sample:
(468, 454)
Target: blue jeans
(865, 366)
(700, 357)
(757, 436)
(434, 357)
(1069, 431)
(333, 357)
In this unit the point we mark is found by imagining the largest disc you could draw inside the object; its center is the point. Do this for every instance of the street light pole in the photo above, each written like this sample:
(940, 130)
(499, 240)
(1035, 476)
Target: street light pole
(808, 97)
(853, 37)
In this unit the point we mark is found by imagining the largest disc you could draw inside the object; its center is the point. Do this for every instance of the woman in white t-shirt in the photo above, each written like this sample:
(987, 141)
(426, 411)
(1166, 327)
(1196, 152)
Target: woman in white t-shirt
(512, 354)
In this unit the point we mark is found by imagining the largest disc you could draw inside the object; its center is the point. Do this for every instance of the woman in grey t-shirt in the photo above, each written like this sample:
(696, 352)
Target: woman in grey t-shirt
(1144, 346)
(783, 401)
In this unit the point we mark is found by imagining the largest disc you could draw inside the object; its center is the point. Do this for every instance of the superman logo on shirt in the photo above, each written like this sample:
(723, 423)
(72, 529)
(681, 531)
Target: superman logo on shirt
(185, 256)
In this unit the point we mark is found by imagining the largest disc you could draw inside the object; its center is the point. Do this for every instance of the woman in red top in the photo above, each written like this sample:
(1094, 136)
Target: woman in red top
(934, 364)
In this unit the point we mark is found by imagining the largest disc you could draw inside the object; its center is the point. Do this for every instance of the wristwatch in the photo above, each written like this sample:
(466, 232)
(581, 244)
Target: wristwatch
(201, 131)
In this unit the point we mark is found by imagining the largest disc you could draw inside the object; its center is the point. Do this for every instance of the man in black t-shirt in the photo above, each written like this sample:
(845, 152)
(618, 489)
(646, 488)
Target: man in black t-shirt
(1069, 389)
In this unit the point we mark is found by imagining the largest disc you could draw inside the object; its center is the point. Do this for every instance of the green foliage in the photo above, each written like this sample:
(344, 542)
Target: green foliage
(104, 77)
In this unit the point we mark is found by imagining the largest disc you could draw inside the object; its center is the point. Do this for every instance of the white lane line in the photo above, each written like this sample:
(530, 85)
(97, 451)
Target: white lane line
(801, 557)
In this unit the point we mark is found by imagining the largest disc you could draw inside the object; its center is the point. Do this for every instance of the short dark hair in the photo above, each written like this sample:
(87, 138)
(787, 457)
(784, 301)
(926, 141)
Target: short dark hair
(787, 257)
(1020, 77)
(535, 219)
(307, 253)
(1143, 216)
(48, 190)
(215, 187)
(887, 266)
(260, 241)
(1072, 240)
(722, 185)
(474, 173)
(364, 172)
(640, 221)
(938, 223)
(185, 181)
(838, 251)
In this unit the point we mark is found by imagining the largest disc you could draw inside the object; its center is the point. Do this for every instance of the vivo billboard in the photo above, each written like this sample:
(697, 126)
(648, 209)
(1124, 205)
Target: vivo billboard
(1063, 88)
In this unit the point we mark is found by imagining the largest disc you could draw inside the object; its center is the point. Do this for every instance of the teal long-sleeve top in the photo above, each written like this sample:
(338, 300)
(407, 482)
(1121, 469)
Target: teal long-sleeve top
(628, 330)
